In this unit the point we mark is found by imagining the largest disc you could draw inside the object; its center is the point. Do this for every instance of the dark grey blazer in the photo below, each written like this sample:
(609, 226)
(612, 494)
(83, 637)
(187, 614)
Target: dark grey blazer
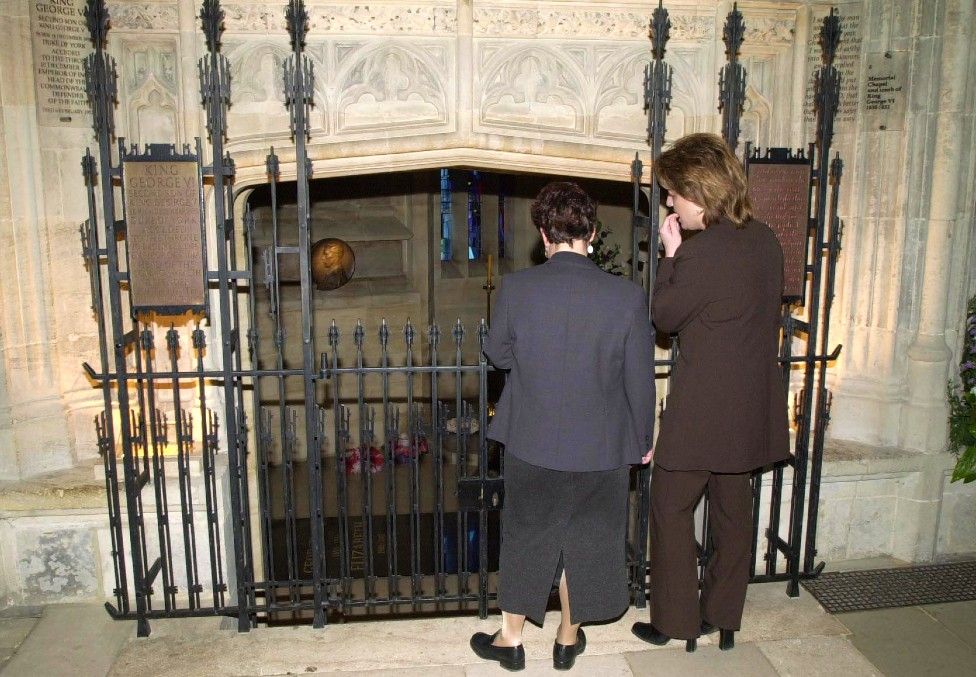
(579, 349)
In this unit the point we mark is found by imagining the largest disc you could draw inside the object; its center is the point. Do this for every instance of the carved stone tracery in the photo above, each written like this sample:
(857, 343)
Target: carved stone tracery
(143, 16)
(388, 86)
(535, 86)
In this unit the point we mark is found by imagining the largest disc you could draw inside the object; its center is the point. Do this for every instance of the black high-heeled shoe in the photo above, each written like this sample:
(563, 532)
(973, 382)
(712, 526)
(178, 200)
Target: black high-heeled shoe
(564, 655)
(648, 633)
(726, 638)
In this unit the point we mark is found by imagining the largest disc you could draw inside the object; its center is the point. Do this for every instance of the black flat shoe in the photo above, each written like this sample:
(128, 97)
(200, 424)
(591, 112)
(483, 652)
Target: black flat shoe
(509, 657)
(726, 638)
(649, 633)
(564, 655)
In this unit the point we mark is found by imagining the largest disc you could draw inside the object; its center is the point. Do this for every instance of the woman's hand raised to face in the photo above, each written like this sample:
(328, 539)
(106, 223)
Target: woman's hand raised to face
(671, 234)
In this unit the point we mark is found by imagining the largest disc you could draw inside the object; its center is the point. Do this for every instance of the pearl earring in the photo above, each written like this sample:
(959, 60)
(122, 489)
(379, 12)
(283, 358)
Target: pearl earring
(589, 249)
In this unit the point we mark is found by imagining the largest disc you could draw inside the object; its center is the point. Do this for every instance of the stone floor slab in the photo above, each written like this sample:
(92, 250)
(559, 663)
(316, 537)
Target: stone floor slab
(770, 614)
(21, 612)
(907, 642)
(13, 631)
(817, 657)
(604, 666)
(866, 564)
(745, 660)
(958, 617)
(375, 645)
(70, 640)
(425, 642)
(434, 671)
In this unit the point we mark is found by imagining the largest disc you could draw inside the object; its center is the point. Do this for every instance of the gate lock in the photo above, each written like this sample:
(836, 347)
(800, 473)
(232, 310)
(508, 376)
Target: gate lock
(477, 494)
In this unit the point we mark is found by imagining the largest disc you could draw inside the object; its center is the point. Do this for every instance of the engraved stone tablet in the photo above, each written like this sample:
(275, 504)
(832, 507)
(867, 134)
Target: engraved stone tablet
(780, 194)
(884, 90)
(166, 257)
(60, 42)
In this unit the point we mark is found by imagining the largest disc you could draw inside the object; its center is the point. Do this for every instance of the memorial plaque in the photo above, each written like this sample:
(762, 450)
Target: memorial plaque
(884, 90)
(60, 43)
(164, 236)
(780, 194)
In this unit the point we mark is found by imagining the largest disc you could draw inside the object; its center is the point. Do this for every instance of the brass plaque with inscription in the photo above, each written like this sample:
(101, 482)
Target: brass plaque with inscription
(164, 236)
(780, 194)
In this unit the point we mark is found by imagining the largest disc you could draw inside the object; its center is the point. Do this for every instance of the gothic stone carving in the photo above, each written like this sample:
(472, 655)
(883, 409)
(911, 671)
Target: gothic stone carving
(143, 17)
(257, 107)
(386, 19)
(348, 19)
(530, 85)
(150, 86)
(769, 30)
(385, 85)
(532, 21)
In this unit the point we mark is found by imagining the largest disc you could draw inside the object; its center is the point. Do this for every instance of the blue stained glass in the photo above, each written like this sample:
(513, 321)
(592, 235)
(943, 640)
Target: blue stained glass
(501, 216)
(447, 218)
(474, 217)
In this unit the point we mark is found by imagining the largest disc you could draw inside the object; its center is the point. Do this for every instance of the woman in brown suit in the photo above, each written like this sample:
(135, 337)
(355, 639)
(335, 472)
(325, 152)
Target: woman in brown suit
(720, 292)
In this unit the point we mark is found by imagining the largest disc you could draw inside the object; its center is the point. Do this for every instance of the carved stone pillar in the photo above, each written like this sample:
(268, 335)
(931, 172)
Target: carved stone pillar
(37, 418)
(924, 423)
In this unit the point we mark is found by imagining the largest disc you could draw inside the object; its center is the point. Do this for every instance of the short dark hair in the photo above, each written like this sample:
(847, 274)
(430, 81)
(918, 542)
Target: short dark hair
(564, 212)
(702, 168)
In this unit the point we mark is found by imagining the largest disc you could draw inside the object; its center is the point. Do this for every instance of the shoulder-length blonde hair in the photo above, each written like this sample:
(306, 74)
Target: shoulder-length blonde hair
(702, 168)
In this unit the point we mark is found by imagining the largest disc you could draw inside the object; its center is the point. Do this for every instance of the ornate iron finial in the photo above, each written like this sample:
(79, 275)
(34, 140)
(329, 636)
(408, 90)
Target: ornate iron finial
(734, 32)
(660, 29)
(89, 168)
(214, 72)
(333, 335)
(827, 83)
(458, 332)
(97, 19)
(830, 36)
(297, 19)
(212, 18)
(272, 164)
(657, 100)
(101, 86)
(172, 339)
(359, 335)
(732, 78)
(299, 92)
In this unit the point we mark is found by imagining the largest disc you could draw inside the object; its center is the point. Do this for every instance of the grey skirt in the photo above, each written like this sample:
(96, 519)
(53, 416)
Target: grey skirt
(578, 518)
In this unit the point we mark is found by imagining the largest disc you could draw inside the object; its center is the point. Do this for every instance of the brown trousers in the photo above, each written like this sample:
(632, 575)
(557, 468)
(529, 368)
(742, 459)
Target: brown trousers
(676, 609)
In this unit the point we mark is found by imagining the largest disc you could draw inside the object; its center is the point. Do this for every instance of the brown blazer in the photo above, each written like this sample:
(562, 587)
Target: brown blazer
(721, 293)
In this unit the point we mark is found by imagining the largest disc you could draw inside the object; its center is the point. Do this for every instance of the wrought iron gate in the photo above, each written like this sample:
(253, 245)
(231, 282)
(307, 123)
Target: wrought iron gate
(374, 486)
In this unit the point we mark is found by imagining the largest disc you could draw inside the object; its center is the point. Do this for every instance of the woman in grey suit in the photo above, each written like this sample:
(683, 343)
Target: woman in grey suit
(577, 410)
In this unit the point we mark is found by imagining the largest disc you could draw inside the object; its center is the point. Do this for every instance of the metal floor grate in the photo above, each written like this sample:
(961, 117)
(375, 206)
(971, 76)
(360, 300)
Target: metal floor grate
(843, 591)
